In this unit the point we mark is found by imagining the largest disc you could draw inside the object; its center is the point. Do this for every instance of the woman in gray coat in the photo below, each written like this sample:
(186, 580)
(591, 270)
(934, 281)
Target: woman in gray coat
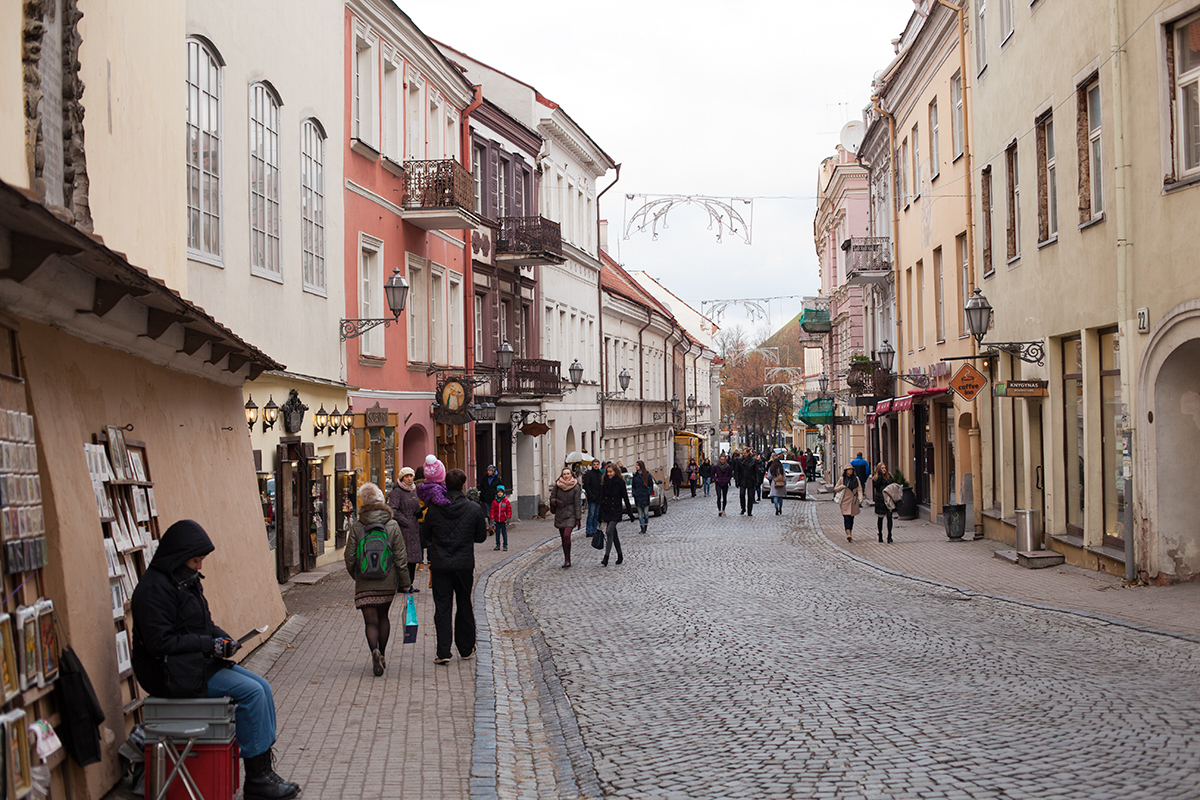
(406, 510)
(565, 500)
(374, 596)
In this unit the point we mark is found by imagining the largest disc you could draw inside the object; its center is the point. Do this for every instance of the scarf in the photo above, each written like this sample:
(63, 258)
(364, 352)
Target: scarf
(566, 484)
(406, 487)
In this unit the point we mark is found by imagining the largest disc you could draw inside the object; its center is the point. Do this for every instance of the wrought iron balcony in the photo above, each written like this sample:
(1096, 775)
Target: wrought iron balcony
(869, 379)
(525, 241)
(439, 195)
(868, 260)
(531, 377)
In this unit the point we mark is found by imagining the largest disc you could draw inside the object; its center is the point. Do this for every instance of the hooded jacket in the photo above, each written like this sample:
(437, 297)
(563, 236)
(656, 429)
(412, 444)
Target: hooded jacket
(406, 510)
(170, 614)
(381, 516)
(451, 532)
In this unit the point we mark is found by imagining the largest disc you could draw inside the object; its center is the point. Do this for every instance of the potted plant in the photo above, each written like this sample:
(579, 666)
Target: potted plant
(907, 507)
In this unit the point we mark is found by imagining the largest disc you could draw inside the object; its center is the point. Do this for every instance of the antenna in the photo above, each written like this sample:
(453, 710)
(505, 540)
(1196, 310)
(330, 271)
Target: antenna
(851, 136)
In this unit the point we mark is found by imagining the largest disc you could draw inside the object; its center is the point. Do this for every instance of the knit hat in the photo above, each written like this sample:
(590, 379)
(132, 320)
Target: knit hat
(500, 489)
(435, 470)
(405, 471)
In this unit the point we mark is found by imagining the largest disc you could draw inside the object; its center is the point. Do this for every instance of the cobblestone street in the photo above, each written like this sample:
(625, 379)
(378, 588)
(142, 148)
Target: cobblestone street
(750, 658)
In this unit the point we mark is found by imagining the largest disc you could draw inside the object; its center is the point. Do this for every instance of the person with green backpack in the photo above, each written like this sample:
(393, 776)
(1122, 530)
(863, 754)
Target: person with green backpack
(372, 547)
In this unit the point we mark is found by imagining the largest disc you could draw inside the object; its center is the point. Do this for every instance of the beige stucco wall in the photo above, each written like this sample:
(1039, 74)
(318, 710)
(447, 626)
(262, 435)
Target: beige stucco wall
(303, 60)
(200, 472)
(13, 168)
(132, 66)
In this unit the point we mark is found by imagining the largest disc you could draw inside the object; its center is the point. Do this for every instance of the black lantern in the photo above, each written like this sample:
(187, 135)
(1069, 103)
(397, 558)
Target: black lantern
(623, 379)
(675, 402)
(335, 421)
(320, 420)
(576, 372)
(979, 315)
(691, 401)
(396, 292)
(251, 413)
(823, 383)
(270, 413)
(504, 356)
(887, 356)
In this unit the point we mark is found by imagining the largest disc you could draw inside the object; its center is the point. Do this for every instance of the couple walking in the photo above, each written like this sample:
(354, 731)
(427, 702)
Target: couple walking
(850, 490)
(608, 501)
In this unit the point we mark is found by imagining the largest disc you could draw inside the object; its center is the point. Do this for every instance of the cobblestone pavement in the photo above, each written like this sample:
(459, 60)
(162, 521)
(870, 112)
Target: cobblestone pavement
(730, 657)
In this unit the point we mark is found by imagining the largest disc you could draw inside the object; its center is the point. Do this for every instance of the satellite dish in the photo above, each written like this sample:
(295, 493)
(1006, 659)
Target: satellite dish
(851, 136)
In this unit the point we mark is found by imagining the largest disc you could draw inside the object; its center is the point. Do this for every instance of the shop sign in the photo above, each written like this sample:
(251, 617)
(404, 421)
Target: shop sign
(1022, 388)
(376, 417)
(968, 382)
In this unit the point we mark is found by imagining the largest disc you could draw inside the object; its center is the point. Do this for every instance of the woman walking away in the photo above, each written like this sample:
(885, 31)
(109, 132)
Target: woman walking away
(501, 513)
(676, 478)
(778, 483)
(406, 511)
(851, 494)
(566, 502)
(706, 468)
(642, 484)
(885, 503)
(372, 547)
(693, 475)
(722, 476)
(614, 501)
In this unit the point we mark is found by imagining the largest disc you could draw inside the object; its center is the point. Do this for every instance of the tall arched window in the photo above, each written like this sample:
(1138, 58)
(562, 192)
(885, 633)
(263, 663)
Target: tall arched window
(312, 205)
(264, 181)
(203, 150)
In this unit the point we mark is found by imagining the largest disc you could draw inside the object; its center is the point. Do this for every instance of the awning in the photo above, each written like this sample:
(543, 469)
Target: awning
(687, 436)
(923, 393)
(871, 419)
(902, 403)
(884, 407)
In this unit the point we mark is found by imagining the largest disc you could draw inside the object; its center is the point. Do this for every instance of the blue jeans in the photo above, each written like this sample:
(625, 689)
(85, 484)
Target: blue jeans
(644, 515)
(707, 484)
(778, 503)
(593, 518)
(501, 535)
(255, 707)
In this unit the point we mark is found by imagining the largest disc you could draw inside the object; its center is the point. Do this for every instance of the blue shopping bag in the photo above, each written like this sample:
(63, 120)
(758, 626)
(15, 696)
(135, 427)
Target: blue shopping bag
(410, 621)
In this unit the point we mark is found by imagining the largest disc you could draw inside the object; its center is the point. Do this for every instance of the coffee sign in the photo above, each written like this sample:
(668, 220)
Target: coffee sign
(968, 382)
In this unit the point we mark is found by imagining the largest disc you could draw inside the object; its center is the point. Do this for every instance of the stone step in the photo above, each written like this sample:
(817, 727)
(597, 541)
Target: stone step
(1031, 559)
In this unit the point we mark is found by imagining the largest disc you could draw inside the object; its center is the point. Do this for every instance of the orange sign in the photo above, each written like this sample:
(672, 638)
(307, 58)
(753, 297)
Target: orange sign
(968, 382)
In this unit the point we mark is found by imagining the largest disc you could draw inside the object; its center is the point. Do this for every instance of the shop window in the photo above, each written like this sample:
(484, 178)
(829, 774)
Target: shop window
(1112, 427)
(1073, 433)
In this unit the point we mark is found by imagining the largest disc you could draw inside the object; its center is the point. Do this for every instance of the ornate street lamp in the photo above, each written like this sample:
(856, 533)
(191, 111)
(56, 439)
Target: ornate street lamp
(576, 373)
(887, 356)
(504, 356)
(251, 413)
(335, 421)
(320, 420)
(622, 380)
(270, 413)
(674, 402)
(395, 291)
(979, 318)
(823, 383)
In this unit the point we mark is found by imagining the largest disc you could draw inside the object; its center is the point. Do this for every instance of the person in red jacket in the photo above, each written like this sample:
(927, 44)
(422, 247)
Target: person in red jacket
(501, 514)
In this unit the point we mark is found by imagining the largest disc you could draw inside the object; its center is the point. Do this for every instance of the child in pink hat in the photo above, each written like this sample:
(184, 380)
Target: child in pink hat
(433, 490)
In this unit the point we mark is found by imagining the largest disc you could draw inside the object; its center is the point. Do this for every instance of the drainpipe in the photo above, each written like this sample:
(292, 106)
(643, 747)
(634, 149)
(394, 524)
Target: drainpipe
(974, 434)
(600, 303)
(1124, 264)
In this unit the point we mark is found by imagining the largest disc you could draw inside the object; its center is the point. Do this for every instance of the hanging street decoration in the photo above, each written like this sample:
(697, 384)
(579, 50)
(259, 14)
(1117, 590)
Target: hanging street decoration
(722, 215)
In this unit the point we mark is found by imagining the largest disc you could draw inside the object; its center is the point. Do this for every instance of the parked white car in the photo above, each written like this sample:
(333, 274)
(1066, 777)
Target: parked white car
(796, 485)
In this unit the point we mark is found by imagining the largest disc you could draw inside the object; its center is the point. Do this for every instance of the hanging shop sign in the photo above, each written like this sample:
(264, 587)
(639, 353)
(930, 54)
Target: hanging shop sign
(968, 382)
(453, 402)
(1022, 388)
(376, 416)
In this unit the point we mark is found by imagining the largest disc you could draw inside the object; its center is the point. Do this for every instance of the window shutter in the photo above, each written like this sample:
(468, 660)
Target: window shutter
(494, 182)
(519, 187)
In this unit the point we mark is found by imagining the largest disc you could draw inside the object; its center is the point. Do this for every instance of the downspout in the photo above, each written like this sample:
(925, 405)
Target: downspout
(974, 433)
(1124, 271)
(600, 303)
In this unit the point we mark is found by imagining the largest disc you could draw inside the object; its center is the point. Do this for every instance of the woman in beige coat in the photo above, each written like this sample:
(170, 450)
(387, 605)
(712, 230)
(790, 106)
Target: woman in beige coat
(851, 503)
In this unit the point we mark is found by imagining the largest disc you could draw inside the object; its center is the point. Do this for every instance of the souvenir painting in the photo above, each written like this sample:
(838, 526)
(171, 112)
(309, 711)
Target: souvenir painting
(118, 598)
(30, 660)
(150, 502)
(140, 507)
(8, 659)
(139, 470)
(124, 660)
(48, 641)
(120, 533)
(16, 754)
(118, 455)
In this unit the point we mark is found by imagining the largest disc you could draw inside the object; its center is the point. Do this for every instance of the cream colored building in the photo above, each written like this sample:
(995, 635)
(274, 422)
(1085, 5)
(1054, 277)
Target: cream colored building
(1087, 190)
(919, 100)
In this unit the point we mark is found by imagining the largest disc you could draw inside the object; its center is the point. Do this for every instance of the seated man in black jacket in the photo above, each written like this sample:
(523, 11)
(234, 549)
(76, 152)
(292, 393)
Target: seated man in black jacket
(451, 533)
(179, 652)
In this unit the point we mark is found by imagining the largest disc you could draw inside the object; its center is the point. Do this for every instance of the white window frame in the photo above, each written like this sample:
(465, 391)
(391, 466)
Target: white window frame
(417, 309)
(1188, 130)
(204, 125)
(956, 100)
(964, 277)
(980, 37)
(1095, 146)
(266, 257)
(312, 207)
(437, 314)
(916, 160)
(1012, 177)
(1048, 178)
(365, 119)
(392, 144)
(478, 154)
(478, 317)
(370, 294)
(434, 146)
(935, 168)
(940, 299)
(1006, 20)
(414, 132)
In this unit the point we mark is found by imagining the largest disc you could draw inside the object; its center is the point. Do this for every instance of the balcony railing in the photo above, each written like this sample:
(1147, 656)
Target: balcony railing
(438, 184)
(528, 377)
(868, 259)
(529, 240)
(869, 379)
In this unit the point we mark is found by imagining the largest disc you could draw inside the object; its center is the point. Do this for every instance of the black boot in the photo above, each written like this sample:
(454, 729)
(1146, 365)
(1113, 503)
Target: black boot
(263, 784)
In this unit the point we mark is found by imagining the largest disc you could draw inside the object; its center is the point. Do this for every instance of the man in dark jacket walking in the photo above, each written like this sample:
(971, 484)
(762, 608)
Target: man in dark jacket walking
(451, 533)
(749, 478)
(592, 481)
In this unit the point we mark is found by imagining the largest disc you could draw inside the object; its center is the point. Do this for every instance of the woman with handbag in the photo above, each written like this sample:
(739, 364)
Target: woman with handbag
(642, 486)
(884, 504)
(778, 483)
(373, 594)
(849, 497)
(565, 502)
(614, 501)
(179, 652)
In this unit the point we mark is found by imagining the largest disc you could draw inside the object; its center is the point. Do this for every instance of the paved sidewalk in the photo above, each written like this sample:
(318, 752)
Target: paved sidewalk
(408, 734)
(921, 549)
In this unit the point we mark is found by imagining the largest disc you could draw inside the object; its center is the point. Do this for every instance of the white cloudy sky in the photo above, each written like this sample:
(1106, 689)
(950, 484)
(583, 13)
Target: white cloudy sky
(724, 99)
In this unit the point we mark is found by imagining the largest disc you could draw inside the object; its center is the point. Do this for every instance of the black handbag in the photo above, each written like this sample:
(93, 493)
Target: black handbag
(598, 540)
(185, 674)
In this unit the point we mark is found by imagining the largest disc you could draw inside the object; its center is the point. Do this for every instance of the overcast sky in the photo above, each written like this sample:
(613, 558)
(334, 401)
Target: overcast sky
(723, 99)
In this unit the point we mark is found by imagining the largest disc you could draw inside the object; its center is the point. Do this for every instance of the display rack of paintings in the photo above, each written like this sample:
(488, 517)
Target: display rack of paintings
(345, 504)
(121, 472)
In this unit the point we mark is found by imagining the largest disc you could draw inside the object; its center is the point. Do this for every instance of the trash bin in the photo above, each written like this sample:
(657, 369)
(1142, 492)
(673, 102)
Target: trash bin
(954, 517)
(1029, 530)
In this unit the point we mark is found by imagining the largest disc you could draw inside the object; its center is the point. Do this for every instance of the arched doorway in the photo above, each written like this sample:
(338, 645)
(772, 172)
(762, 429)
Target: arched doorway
(416, 446)
(570, 440)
